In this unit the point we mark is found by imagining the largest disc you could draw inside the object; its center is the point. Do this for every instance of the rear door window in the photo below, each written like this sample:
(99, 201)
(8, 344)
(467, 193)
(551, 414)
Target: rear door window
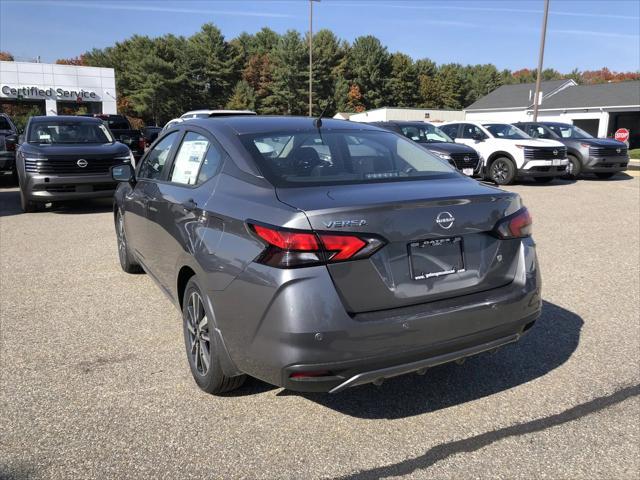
(450, 130)
(196, 161)
(189, 158)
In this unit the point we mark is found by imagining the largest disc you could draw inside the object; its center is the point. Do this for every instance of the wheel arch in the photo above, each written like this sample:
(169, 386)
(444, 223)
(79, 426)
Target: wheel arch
(184, 275)
(576, 153)
(500, 153)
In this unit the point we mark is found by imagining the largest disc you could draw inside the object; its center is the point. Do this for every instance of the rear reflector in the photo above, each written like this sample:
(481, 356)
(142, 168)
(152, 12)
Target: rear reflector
(517, 225)
(296, 248)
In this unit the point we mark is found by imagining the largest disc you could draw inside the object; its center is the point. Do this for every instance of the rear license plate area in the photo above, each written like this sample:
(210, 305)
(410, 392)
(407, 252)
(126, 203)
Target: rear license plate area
(435, 258)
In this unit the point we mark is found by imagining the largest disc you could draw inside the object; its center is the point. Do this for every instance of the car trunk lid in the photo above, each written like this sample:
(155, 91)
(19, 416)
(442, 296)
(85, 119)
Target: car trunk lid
(429, 228)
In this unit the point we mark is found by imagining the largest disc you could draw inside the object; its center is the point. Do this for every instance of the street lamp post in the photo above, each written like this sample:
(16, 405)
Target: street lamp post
(311, 56)
(536, 99)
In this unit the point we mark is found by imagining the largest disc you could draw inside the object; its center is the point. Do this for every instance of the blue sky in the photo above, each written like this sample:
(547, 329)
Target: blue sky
(584, 34)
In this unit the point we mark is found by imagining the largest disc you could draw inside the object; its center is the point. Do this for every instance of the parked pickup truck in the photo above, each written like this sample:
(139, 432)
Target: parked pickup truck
(8, 141)
(123, 133)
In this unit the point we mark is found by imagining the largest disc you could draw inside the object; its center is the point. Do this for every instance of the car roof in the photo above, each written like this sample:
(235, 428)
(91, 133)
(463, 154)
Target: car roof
(67, 118)
(252, 124)
(219, 112)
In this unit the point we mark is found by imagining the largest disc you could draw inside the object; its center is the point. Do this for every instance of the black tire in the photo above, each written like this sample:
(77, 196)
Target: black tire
(201, 345)
(502, 171)
(27, 205)
(543, 179)
(127, 260)
(574, 168)
(605, 175)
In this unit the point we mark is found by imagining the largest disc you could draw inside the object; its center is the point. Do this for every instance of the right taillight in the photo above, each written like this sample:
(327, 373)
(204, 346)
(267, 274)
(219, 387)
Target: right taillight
(298, 248)
(516, 225)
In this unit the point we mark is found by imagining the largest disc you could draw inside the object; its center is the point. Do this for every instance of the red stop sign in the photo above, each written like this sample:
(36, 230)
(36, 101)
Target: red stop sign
(622, 135)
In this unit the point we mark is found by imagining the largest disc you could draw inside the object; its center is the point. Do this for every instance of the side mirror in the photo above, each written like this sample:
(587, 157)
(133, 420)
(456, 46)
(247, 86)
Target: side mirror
(123, 173)
(478, 137)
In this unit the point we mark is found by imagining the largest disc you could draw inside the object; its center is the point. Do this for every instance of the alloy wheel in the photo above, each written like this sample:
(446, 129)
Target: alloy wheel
(499, 171)
(198, 326)
(122, 240)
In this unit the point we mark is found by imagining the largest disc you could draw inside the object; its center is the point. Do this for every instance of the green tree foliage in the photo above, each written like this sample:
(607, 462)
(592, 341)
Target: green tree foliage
(243, 97)
(160, 78)
(369, 67)
(328, 64)
(211, 64)
(289, 86)
(403, 83)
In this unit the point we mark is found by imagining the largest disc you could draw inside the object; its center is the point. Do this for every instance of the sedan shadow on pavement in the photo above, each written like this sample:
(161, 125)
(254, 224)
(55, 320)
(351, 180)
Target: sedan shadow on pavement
(10, 205)
(549, 344)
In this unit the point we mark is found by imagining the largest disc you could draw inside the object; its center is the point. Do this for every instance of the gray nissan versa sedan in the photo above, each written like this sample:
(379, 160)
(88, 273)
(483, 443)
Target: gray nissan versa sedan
(320, 255)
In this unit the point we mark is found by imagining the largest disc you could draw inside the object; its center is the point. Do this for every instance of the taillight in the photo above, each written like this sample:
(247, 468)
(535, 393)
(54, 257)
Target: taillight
(10, 145)
(298, 248)
(516, 225)
(141, 143)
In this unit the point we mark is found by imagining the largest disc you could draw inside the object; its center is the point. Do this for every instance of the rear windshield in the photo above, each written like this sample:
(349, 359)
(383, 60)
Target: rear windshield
(116, 122)
(56, 132)
(319, 157)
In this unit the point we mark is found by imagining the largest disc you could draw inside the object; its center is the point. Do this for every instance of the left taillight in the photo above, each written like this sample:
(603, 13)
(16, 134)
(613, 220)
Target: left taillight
(142, 144)
(298, 248)
(516, 225)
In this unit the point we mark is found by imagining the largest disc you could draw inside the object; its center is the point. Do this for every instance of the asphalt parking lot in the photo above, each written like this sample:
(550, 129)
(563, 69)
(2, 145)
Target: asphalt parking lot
(95, 384)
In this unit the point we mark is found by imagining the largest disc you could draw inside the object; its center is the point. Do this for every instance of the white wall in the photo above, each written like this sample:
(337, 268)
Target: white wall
(407, 114)
(67, 77)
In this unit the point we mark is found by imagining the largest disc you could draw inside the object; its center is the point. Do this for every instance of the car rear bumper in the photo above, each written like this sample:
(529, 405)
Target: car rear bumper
(300, 325)
(50, 188)
(605, 164)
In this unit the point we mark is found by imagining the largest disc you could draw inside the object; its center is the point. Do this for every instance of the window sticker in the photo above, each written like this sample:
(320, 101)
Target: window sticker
(188, 161)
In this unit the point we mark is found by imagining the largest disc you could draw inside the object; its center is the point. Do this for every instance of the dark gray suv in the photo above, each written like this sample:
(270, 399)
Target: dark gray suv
(66, 158)
(321, 255)
(602, 156)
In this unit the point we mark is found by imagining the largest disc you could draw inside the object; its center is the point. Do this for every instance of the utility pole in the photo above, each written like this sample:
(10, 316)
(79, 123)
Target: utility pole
(311, 56)
(536, 99)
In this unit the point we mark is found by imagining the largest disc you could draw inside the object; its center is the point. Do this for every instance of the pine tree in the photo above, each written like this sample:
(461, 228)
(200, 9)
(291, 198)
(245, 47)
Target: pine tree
(243, 97)
(328, 54)
(212, 66)
(289, 86)
(369, 68)
(403, 84)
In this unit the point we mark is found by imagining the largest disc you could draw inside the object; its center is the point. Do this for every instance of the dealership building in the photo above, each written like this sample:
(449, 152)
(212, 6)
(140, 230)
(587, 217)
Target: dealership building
(57, 89)
(599, 109)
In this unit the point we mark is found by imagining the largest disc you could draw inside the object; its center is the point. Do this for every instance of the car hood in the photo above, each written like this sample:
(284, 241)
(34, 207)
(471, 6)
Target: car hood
(445, 147)
(601, 142)
(106, 149)
(531, 142)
